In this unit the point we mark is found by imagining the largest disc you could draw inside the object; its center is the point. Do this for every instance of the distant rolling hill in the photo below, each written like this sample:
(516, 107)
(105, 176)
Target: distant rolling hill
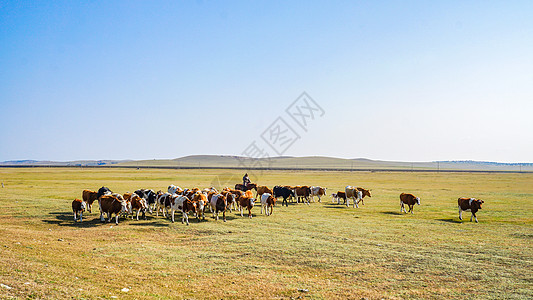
(322, 162)
(285, 162)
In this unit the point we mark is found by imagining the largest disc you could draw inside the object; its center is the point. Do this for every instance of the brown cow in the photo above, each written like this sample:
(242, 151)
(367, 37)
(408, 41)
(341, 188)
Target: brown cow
(111, 205)
(78, 207)
(218, 204)
(469, 204)
(89, 197)
(246, 202)
(302, 192)
(263, 189)
(200, 199)
(365, 194)
(138, 204)
(230, 199)
(410, 200)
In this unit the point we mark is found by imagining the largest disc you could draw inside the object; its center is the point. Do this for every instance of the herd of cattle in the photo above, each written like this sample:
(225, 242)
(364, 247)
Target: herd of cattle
(195, 201)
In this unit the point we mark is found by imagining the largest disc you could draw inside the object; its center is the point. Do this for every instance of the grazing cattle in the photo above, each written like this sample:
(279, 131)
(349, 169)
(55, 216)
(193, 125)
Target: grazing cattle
(246, 202)
(318, 192)
(111, 205)
(263, 189)
(210, 189)
(149, 196)
(353, 193)
(469, 204)
(282, 191)
(302, 192)
(89, 197)
(267, 202)
(78, 207)
(183, 204)
(201, 201)
(163, 203)
(240, 186)
(236, 195)
(410, 200)
(173, 189)
(218, 204)
(230, 199)
(190, 192)
(338, 196)
(136, 203)
(365, 194)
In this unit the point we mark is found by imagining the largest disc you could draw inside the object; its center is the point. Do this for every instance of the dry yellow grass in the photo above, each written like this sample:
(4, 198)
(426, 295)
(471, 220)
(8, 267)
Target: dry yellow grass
(332, 251)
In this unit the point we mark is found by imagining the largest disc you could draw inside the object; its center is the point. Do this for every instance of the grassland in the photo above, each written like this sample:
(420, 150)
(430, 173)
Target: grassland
(321, 251)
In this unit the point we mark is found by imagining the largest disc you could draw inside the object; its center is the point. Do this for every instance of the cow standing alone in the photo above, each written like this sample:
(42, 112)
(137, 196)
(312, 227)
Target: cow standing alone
(469, 204)
(410, 200)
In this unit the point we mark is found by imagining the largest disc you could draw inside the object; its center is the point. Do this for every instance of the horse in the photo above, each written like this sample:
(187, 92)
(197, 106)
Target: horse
(243, 188)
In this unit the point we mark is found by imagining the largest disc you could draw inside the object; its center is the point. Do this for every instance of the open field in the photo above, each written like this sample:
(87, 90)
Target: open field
(332, 251)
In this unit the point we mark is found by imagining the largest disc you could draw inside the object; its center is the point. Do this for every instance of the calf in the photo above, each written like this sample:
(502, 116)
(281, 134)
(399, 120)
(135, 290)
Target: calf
(218, 204)
(318, 192)
(183, 204)
(78, 207)
(469, 204)
(230, 199)
(267, 201)
(410, 200)
(285, 192)
(111, 205)
(353, 193)
(338, 196)
(246, 202)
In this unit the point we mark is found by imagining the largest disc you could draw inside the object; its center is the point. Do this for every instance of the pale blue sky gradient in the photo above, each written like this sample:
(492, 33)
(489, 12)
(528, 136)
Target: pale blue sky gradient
(398, 80)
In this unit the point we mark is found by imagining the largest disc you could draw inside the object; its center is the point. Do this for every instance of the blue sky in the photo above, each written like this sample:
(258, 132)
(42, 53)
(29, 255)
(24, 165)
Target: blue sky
(398, 80)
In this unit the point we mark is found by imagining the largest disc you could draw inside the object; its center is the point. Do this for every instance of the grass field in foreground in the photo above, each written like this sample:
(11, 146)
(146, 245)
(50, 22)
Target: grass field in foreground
(321, 251)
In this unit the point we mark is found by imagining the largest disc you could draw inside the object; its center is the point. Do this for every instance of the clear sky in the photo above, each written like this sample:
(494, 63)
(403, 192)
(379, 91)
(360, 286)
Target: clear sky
(397, 80)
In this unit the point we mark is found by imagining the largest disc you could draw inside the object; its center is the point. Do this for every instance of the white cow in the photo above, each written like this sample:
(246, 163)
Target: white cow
(174, 189)
(267, 201)
(317, 191)
(183, 204)
(353, 193)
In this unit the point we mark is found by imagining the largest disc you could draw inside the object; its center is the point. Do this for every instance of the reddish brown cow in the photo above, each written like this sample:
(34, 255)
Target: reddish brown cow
(78, 207)
(246, 202)
(138, 204)
(89, 197)
(469, 204)
(410, 200)
(365, 194)
(200, 199)
(263, 189)
(230, 199)
(183, 204)
(111, 205)
(302, 192)
(267, 202)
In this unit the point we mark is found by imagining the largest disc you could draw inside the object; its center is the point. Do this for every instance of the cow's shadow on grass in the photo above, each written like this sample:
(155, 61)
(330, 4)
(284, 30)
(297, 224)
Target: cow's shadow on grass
(450, 220)
(394, 213)
(67, 219)
(335, 205)
(93, 220)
